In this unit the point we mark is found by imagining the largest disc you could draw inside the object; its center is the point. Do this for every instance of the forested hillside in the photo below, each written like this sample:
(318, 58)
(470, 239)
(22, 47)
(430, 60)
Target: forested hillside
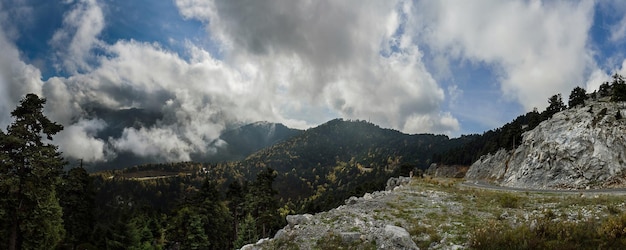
(338, 159)
(313, 171)
(196, 205)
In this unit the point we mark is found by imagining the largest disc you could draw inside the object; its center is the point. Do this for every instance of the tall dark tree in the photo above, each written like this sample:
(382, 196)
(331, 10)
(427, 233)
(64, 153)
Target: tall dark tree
(604, 90)
(555, 105)
(212, 206)
(203, 222)
(29, 172)
(247, 232)
(237, 199)
(77, 198)
(619, 89)
(577, 97)
(263, 203)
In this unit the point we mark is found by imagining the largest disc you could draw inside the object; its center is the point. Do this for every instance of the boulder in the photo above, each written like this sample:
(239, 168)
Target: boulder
(396, 182)
(398, 238)
(297, 219)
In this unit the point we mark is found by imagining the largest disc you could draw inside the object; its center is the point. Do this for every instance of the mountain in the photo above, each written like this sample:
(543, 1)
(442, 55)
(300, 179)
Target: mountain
(317, 169)
(118, 119)
(240, 142)
(323, 166)
(582, 147)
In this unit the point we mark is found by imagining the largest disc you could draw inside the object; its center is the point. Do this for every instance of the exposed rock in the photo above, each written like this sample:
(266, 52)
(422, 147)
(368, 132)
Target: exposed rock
(354, 224)
(349, 237)
(399, 238)
(367, 196)
(395, 182)
(297, 219)
(351, 200)
(575, 149)
(490, 167)
(447, 171)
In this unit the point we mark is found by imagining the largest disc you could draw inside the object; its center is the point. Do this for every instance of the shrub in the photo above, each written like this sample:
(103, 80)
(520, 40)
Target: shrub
(507, 200)
(548, 234)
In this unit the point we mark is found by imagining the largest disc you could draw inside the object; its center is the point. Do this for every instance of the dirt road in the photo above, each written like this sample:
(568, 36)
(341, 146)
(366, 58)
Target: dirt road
(485, 185)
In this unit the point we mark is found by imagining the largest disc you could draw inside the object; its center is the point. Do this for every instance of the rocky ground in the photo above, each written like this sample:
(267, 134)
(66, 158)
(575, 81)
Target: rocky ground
(431, 214)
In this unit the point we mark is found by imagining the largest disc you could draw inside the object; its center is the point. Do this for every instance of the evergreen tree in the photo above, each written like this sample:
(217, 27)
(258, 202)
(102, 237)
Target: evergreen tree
(217, 216)
(247, 232)
(577, 96)
(556, 105)
(29, 172)
(77, 196)
(605, 89)
(619, 89)
(237, 199)
(208, 210)
(263, 203)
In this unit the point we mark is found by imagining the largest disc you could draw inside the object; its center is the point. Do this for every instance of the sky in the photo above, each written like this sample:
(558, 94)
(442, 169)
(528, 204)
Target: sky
(442, 67)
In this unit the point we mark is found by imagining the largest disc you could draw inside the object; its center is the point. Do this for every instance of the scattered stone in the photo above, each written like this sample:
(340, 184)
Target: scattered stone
(282, 233)
(367, 196)
(399, 238)
(352, 200)
(349, 237)
(395, 182)
(297, 219)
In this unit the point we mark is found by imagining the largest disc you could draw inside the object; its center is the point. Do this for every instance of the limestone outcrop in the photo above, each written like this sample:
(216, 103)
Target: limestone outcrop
(353, 224)
(582, 147)
(447, 171)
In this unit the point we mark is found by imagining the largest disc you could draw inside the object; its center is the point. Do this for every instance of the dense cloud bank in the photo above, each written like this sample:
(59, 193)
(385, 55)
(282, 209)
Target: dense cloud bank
(299, 63)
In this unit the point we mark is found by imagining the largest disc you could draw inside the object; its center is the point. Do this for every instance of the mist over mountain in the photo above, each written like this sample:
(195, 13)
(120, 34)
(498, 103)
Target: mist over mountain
(234, 143)
(240, 142)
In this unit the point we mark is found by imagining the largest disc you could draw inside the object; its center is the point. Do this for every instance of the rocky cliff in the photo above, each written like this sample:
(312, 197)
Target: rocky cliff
(447, 171)
(582, 147)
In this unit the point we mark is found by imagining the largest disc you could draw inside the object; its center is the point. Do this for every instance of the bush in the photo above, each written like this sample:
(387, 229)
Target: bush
(507, 200)
(614, 231)
(548, 234)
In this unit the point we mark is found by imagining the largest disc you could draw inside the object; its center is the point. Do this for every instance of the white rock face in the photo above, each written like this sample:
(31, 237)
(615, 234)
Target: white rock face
(575, 149)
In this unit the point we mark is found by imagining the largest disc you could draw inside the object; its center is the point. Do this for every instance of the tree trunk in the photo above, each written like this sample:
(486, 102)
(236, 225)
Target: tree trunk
(14, 229)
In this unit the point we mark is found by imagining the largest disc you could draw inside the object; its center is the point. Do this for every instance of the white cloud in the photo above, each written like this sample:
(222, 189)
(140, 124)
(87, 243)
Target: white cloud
(596, 78)
(77, 141)
(160, 143)
(538, 48)
(327, 54)
(78, 36)
(16, 78)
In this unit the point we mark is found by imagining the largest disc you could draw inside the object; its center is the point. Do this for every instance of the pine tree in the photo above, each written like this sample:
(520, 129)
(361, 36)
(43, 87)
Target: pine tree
(555, 105)
(605, 89)
(29, 171)
(236, 195)
(77, 197)
(263, 204)
(247, 232)
(217, 216)
(577, 96)
(619, 89)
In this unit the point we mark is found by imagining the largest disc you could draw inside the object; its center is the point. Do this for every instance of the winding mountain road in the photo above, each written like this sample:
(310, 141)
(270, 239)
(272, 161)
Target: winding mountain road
(485, 185)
